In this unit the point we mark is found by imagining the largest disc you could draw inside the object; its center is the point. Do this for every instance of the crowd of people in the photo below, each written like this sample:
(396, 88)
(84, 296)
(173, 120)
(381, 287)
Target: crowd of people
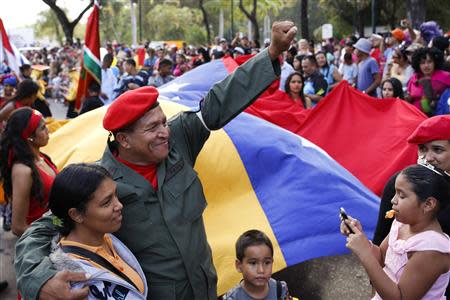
(407, 63)
(145, 185)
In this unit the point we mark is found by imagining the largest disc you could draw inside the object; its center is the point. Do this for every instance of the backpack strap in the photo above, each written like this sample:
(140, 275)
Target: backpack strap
(97, 259)
(279, 290)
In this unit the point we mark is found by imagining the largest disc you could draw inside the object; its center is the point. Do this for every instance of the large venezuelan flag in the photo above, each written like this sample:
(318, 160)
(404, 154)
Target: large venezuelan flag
(255, 175)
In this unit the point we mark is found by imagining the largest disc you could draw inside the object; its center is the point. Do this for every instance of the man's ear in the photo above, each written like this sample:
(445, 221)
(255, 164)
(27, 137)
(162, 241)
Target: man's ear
(238, 265)
(122, 138)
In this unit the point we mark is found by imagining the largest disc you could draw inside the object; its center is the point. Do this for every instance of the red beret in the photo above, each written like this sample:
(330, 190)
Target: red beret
(129, 107)
(432, 129)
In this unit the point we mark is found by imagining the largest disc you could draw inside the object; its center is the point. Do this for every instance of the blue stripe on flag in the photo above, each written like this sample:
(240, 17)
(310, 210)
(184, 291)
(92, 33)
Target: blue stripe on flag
(194, 85)
(300, 189)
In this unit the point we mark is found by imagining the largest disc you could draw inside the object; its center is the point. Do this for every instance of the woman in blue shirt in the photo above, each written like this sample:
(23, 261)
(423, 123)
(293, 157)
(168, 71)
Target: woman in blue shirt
(329, 71)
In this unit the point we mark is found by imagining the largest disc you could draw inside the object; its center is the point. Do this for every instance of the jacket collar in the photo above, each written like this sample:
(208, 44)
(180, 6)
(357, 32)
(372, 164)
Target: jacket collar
(119, 172)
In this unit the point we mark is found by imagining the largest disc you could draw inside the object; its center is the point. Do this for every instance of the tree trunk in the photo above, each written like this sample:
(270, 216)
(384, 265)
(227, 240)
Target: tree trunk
(252, 17)
(360, 21)
(133, 23)
(393, 19)
(416, 12)
(205, 21)
(66, 25)
(304, 19)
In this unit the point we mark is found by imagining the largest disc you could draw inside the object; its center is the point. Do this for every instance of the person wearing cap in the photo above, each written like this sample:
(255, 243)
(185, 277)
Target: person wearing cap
(9, 86)
(432, 137)
(368, 73)
(398, 35)
(238, 51)
(376, 51)
(227, 50)
(151, 160)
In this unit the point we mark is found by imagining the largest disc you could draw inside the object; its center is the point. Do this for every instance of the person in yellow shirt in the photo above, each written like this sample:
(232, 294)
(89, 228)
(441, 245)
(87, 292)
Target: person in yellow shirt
(70, 92)
(41, 103)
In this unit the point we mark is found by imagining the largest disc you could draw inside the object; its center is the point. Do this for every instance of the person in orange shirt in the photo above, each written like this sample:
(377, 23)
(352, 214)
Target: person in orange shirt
(86, 209)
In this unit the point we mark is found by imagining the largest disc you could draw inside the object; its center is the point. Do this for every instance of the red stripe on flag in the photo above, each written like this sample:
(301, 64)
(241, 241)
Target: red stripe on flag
(5, 39)
(365, 135)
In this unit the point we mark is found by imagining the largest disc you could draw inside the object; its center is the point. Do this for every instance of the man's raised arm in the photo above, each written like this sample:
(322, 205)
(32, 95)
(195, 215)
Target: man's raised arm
(237, 91)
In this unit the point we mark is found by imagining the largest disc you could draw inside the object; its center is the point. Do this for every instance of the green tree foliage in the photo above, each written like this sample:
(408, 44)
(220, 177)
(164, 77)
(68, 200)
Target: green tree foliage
(48, 25)
(115, 24)
(348, 14)
(182, 19)
(171, 22)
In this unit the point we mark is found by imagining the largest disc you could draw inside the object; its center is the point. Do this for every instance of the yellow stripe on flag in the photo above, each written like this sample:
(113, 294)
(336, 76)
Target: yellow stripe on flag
(233, 206)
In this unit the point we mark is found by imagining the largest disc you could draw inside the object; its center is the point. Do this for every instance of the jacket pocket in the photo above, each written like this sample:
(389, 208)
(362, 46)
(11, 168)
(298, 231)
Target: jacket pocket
(185, 193)
(134, 210)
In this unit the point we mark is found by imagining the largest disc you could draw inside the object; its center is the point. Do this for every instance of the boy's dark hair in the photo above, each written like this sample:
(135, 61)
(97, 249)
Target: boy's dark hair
(165, 62)
(26, 88)
(251, 238)
(94, 87)
(24, 67)
(348, 57)
(131, 62)
(74, 187)
(311, 59)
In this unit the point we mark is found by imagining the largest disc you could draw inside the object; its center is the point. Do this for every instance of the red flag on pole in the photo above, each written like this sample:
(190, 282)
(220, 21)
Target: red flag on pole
(91, 68)
(7, 52)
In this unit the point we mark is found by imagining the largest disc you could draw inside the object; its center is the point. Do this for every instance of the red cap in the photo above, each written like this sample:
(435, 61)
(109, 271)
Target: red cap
(129, 107)
(398, 34)
(432, 129)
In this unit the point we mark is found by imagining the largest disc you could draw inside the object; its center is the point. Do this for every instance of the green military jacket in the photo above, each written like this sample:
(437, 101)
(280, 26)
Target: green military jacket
(164, 229)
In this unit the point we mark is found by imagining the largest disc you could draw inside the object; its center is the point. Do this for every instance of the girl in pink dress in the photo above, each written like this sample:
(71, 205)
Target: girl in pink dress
(413, 261)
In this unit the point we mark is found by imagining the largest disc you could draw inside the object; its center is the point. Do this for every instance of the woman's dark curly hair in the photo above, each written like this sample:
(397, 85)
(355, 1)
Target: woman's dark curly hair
(14, 149)
(421, 54)
(287, 86)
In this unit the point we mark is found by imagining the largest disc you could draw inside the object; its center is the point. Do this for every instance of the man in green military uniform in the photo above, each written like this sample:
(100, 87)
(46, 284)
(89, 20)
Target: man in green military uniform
(151, 161)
